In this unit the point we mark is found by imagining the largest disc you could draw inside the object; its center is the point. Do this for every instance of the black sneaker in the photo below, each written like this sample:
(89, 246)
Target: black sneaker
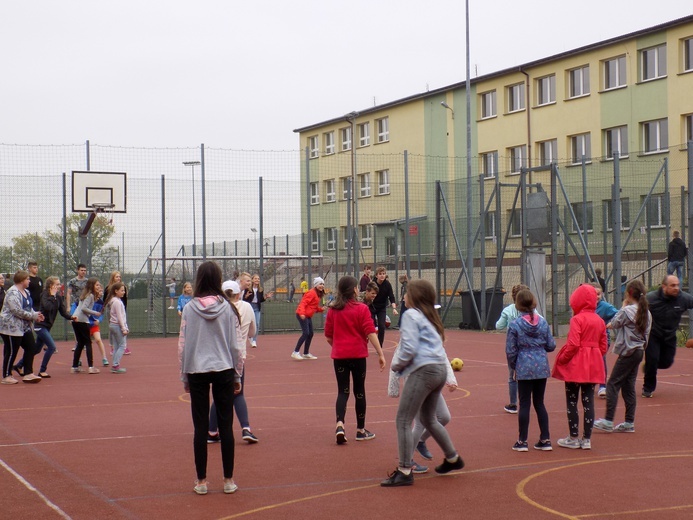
(365, 435)
(520, 446)
(340, 435)
(647, 394)
(211, 439)
(249, 437)
(397, 478)
(543, 446)
(447, 467)
(510, 408)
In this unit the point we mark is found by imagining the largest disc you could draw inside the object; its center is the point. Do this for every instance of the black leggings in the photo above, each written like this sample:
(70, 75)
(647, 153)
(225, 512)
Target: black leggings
(83, 341)
(357, 368)
(11, 348)
(572, 390)
(532, 391)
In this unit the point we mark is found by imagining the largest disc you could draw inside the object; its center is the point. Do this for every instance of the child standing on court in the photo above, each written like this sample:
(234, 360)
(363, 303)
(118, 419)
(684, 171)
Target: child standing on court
(605, 311)
(508, 315)
(422, 357)
(117, 325)
(579, 363)
(81, 327)
(185, 298)
(529, 339)
(348, 329)
(309, 305)
(632, 325)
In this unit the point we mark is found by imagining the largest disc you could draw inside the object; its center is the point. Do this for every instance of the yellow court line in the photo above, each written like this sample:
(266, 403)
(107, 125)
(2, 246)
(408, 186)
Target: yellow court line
(520, 488)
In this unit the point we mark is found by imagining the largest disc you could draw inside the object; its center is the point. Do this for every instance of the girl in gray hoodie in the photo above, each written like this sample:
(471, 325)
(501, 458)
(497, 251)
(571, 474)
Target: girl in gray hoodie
(632, 325)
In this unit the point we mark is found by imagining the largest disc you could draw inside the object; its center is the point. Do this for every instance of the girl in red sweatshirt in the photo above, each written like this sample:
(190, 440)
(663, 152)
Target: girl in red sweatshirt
(309, 305)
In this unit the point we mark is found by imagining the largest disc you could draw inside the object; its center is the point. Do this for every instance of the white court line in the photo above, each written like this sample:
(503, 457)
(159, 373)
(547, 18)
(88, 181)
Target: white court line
(27, 485)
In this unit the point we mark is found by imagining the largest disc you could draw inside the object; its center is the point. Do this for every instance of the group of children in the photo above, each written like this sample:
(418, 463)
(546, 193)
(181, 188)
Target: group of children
(581, 362)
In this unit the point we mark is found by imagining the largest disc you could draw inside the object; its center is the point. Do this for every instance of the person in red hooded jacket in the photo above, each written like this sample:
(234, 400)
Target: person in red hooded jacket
(580, 364)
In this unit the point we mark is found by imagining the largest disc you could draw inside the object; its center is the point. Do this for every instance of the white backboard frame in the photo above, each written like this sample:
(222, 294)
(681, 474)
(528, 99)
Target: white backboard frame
(99, 188)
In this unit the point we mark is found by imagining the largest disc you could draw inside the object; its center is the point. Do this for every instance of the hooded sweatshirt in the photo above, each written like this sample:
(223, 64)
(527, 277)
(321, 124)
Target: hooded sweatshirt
(628, 337)
(581, 358)
(529, 339)
(208, 340)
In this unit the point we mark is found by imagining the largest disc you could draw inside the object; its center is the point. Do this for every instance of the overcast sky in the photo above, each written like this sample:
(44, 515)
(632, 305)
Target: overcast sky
(242, 74)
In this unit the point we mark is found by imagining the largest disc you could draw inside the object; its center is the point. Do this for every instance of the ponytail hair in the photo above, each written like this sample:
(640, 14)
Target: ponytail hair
(636, 291)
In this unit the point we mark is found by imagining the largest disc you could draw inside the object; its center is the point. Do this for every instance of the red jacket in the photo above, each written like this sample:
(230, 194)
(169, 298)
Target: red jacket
(348, 328)
(309, 304)
(581, 360)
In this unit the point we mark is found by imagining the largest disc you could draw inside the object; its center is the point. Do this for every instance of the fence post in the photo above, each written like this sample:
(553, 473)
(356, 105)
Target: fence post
(690, 223)
(617, 225)
(65, 243)
(204, 205)
(406, 215)
(309, 234)
(163, 252)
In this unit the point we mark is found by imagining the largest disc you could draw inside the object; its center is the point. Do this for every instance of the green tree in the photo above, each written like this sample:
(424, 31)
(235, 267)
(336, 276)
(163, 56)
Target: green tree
(103, 259)
(38, 247)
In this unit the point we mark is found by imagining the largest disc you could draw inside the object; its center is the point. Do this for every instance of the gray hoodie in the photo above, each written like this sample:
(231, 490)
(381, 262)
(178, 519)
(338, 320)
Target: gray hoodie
(208, 338)
(628, 338)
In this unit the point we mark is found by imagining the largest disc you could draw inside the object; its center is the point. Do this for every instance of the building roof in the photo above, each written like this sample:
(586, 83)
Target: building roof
(541, 61)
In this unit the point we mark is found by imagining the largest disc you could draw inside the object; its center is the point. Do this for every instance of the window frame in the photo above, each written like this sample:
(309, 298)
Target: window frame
(687, 128)
(577, 210)
(513, 159)
(345, 135)
(345, 187)
(314, 193)
(622, 137)
(330, 191)
(646, 138)
(493, 155)
(315, 240)
(488, 104)
(313, 147)
(491, 221)
(364, 180)
(521, 97)
(515, 216)
(331, 237)
(625, 212)
(542, 99)
(620, 72)
(366, 235)
(687, 54)
(659, 62)
(658, 202)
(584, 82)
(364, 134)
(328, 141)
(383, 181)
(383, 128)
(584, 139)
(553, 148)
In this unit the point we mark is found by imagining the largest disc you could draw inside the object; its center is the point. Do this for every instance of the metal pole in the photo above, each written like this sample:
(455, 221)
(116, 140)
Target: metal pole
(194, 223)
(163, 252)
(437, 240)
(690, 228)
(204, 207)
(65, 242)
(309, 234)
(470, 239)
(406, 215)
(617, 225)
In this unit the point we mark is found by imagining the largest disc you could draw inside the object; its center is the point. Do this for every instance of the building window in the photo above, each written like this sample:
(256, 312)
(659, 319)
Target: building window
(548, 152)
(346, 138)
(616, 140)
(366, 236)
(488, 104)
(489, 164)
(345, 235)
(383, 126)
(580, 145)
(313, 149)
(688, 128)
(346, 184)
(328, 138)
(615, 73)
(330, 191)
(315, 240)
(518, 158)
(582, 220)
(655, 135)
(579, 82)
(516, 97)
(653, 62)
(657, 210)
(314, 193)
(515, 216)
(384, 182)
(364, 134)
(546, 90)
(688, 55)
(625, 214)
(490, 228)
(331, 239)
(365, 185)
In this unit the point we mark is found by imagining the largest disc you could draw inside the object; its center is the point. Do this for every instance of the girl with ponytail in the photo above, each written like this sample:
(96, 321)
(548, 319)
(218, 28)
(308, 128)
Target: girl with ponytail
(632, 325)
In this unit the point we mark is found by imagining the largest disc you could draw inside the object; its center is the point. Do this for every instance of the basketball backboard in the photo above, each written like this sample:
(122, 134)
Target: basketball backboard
(100, 188)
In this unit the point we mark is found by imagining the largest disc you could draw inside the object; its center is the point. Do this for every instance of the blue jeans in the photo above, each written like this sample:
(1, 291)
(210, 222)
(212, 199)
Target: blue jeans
(43, 337)
(421, 396)
(117, 339)
(257, 323)
(307, 334)
(239, 405)
(676, 266)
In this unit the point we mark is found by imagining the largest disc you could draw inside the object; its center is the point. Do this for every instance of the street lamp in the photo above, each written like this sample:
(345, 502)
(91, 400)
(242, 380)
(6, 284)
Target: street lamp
(192, 165)
(443, 103)
(254, 230)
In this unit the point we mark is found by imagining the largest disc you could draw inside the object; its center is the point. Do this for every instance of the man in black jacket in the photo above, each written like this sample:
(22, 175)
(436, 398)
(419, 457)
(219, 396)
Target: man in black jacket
(676, 255)
(667, 304)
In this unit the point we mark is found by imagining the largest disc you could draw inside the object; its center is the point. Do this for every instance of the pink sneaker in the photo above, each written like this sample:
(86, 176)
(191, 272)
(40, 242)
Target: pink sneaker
(127, 352)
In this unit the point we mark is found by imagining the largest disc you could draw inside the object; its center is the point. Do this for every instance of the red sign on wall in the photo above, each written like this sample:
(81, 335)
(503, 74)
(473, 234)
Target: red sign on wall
(413, 230)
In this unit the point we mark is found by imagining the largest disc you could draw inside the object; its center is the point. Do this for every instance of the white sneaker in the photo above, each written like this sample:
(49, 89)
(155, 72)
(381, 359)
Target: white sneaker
(93, 370)
(309, 356)
(586, 444)
(572, 443)
(253, 343)
(602, 393)
(170, 308)
(297, 356)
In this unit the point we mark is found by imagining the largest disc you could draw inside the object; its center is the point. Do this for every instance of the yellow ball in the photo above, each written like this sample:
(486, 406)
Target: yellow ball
(457, 364)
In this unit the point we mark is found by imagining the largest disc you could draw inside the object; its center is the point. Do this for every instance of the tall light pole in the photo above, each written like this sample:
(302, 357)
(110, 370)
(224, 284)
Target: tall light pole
(470, 238)
(192, 165)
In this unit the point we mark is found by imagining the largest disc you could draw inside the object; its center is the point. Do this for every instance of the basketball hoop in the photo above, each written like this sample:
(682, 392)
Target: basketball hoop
(96, 208)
